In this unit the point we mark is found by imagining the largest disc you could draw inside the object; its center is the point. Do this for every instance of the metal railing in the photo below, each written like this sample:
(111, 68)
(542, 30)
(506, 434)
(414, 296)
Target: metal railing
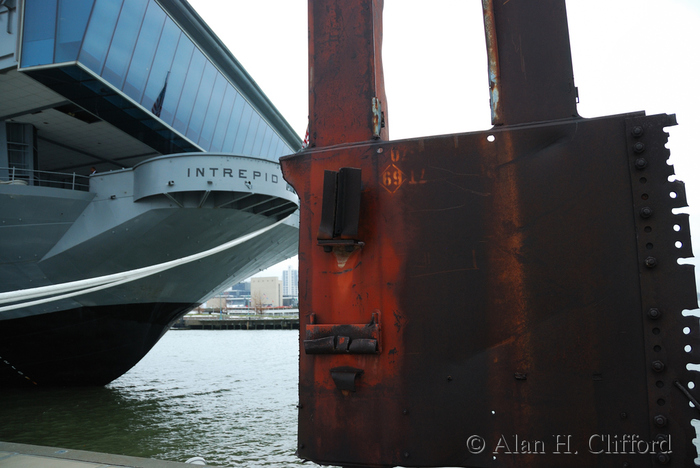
(63, 180)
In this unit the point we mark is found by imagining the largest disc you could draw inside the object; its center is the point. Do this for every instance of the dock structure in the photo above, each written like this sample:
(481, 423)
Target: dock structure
(239, 322)
(35, 456)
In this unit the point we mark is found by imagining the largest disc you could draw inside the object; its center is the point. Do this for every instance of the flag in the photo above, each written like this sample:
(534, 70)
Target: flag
(305, 144)
(158, 105)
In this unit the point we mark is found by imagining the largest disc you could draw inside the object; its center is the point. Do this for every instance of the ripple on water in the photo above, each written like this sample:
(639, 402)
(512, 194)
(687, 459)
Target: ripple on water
(229, 396)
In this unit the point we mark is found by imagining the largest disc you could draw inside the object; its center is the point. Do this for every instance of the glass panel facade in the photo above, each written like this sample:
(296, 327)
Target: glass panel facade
(162, 62)
(144, 52)
(72, 19)
(201, 103)
(189, 91)
(137, 48)
(212, 114)
(39, 33)
(176, 80)
(122, 46)
(252, 133)
(231, 98)
(99, 33)
(239, 136)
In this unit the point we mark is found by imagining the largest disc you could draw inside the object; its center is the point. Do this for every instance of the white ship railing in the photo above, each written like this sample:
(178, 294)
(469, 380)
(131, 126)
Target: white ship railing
(64, 180)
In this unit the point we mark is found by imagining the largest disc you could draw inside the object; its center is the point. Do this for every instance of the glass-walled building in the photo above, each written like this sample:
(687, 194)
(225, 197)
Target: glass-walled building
(117, 81)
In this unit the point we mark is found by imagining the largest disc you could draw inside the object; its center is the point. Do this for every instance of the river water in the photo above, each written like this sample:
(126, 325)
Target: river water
(229, 396)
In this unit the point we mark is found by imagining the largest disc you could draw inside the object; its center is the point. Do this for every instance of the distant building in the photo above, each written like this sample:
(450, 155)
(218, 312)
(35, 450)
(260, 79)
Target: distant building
(268, 290)
(216, 302)
(239, 290)
(290, 282)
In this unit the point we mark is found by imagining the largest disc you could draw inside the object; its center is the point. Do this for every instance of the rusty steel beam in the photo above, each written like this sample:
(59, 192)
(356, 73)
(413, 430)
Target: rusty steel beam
(504, 298)
(346, 78)
(531, 76)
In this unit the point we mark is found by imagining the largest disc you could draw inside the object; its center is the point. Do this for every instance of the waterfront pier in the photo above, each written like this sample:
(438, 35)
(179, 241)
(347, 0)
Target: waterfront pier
(24, 455)
(288, 320)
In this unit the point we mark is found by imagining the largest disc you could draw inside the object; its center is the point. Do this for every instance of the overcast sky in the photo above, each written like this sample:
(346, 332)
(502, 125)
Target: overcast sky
(628, 55)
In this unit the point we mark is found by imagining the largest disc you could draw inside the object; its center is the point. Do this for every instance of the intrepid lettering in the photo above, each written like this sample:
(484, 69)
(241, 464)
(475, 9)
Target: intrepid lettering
(227, 172)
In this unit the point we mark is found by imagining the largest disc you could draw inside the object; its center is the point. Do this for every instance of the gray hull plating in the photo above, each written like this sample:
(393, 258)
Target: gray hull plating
(161, 212)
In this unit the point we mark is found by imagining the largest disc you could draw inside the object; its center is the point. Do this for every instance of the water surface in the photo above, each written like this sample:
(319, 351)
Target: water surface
(229, 396)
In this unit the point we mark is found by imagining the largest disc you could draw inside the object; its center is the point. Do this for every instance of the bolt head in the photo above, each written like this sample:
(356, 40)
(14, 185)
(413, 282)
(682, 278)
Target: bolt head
(646, 212)
(654, 313)
(660, 420)
(641, 163)
(663, 458)
(651, 262)
(658, 366)
(639, 147)
(637, 131)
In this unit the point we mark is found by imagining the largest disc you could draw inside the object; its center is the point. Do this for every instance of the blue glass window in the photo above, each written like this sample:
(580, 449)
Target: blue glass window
(189, 91)
(178, 72)
(269, 135)
(202, 101)
(72, 21)
(99, 33)
(39, 31)
(231, 99)
(123, 42)
(252, 132)
(136, 47)
(236, 133)
(239, 136)
(162, 64)
(145, 50)
(209, 124)
(259, 136)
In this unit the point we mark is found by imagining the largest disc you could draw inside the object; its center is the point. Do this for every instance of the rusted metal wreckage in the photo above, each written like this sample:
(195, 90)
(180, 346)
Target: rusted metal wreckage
(510, 297)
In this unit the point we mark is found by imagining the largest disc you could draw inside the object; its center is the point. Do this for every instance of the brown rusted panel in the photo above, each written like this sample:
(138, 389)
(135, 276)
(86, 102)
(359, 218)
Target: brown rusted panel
(345, 70)
(529, 292)
(509, 276)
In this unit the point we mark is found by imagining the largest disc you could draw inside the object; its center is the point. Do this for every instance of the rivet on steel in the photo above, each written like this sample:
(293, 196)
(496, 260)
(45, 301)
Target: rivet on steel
(449, 378)
(623, 415)
(658, 366)
(654, 313)
(660, 420)
(405, 412)
(639, 147)
(663, 458)
(637, 131)
(646, 212)
(651, 262)
(641, 163)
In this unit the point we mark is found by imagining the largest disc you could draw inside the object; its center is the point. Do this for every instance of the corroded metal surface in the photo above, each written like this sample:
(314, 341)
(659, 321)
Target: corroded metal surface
(523, 282)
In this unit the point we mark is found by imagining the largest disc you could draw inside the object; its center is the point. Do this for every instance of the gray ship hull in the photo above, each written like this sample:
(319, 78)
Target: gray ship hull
(91, 280)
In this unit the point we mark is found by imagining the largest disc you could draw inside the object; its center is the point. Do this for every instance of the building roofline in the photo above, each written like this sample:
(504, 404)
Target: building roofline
(189, 20)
